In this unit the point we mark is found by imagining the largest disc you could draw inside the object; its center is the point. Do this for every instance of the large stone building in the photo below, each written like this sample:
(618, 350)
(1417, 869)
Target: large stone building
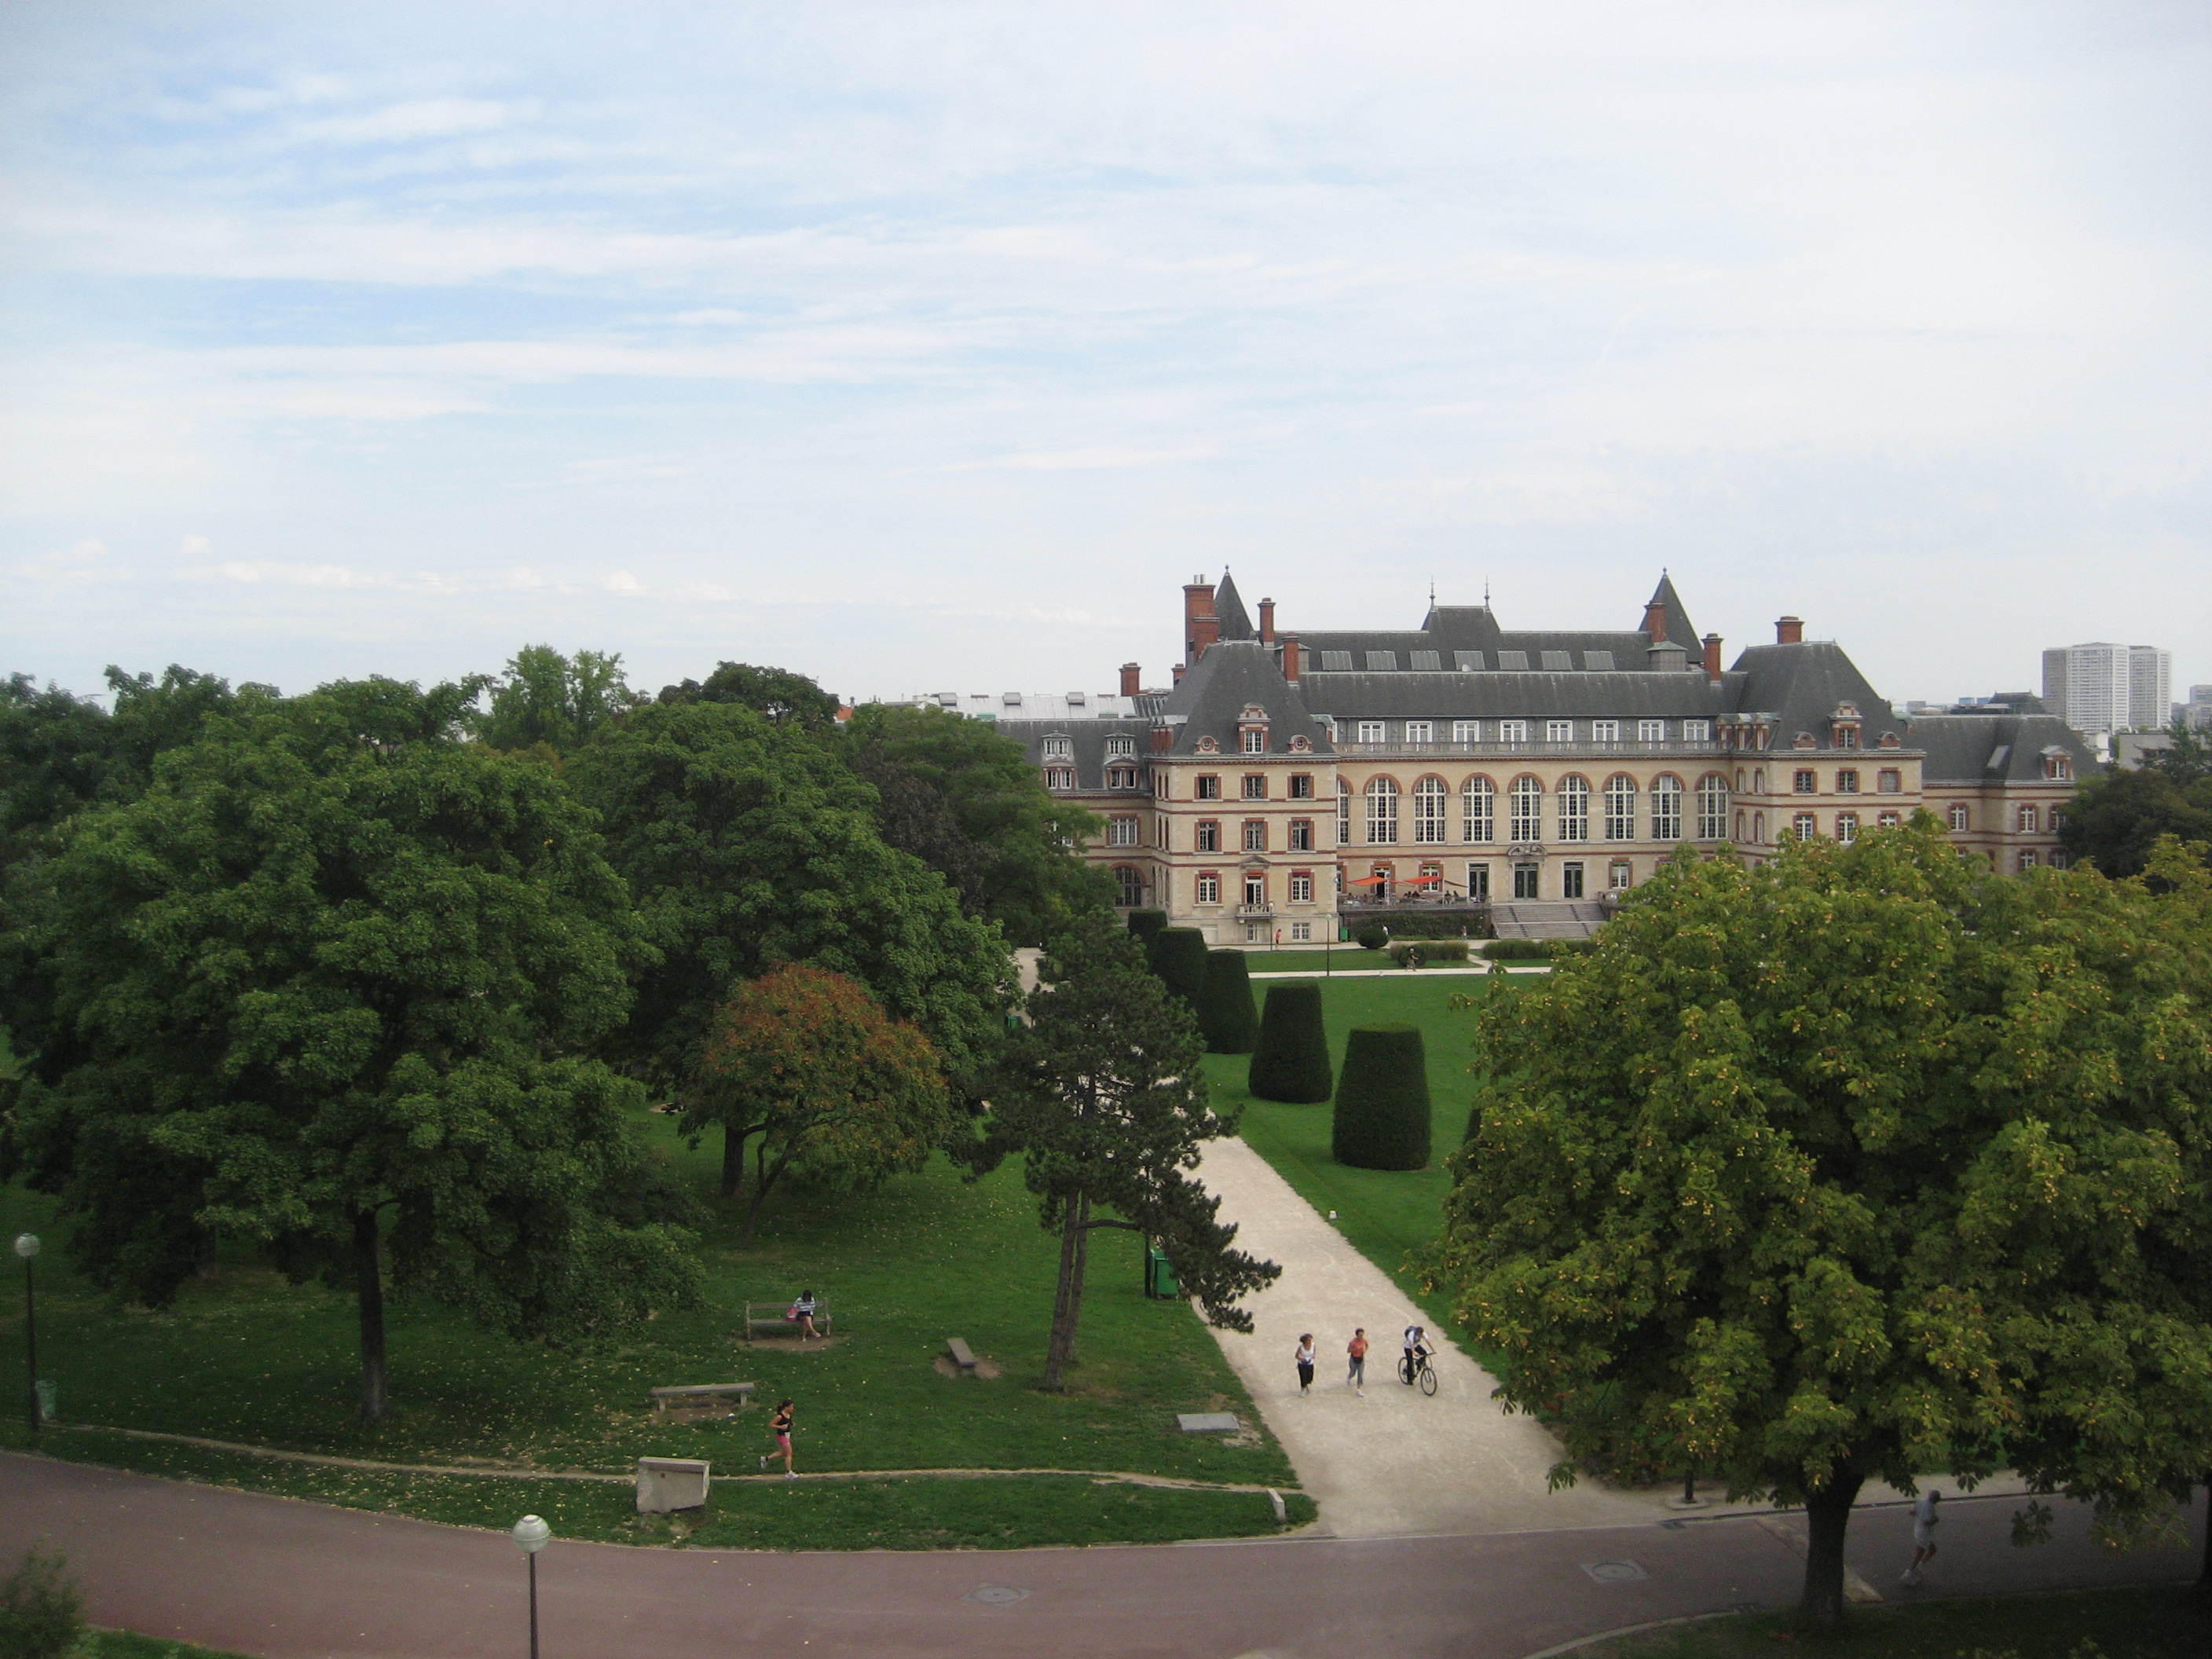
(1289, 778)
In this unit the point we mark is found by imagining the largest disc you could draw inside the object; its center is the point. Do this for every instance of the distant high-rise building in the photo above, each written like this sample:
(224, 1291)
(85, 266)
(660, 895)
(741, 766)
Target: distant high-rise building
(2103, 687)
(2197, 711)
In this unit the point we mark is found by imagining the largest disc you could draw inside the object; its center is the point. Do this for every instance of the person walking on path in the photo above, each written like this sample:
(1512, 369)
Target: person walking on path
(1924, 1522)
(780, 1426)
(1356, 1377)
(1304, 1358)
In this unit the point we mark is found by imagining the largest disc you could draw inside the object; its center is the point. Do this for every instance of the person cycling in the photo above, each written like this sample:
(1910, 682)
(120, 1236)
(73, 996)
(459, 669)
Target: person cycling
(1417, 1351)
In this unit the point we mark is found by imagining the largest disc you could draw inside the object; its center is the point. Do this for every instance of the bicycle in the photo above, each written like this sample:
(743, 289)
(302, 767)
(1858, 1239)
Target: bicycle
(1427, 1376)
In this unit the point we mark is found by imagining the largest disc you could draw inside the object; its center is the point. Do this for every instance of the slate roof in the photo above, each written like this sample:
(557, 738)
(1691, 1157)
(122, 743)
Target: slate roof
(1993, 748)
(1087, 740)
(1235, 624)
(1450, 630)
(1218, 687)
(1516, 697)
(1802, 685)
(1679, 628)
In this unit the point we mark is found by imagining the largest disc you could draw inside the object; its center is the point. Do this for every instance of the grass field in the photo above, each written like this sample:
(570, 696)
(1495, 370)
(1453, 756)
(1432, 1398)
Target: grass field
(1382, 1213)
(246, 1357)
(2160, 1622)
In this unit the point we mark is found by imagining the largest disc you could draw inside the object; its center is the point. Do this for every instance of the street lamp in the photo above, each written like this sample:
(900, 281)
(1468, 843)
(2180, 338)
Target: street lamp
(531, 1535)
(27, 1246)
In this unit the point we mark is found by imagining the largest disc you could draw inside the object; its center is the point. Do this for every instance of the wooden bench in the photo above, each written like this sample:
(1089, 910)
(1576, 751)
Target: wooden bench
(704, 1394)
(769, 1315)
(961, 1355)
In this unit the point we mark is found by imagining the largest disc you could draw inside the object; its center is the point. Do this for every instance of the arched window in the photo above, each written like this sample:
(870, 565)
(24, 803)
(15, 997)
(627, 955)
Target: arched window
(1667, 808)
(1525, 810)
(1343, 813)
(1132, 884)
(1477, 810)
(1574, 808)
(1382, 811)
(1430, 796)
(1620, 808)
(1712, 809)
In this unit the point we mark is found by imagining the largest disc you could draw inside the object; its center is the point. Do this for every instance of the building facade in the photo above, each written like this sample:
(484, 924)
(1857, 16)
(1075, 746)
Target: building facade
(2105, 688)
(1289, 779)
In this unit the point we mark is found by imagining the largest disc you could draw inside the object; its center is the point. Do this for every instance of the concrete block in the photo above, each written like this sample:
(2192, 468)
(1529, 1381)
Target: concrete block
(671, 1483)
(1207, 1422)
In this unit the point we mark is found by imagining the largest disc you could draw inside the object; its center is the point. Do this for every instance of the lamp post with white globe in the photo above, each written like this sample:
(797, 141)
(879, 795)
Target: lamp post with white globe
(531, 1535)
(27, 1246)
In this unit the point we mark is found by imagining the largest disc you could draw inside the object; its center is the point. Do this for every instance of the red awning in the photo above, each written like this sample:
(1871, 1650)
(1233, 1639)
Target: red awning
(1368, 881)
(1429, 881)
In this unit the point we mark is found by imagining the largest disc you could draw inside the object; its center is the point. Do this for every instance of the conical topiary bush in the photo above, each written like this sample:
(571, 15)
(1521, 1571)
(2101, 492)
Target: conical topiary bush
(1226, 1016)
(1290, 1063)
(1177, 954)
(1383, 1100)
(1146, 923)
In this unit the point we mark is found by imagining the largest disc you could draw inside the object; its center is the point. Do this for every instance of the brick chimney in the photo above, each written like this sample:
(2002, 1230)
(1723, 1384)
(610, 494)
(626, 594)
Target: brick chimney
(1789, 630)
(1133, 679)
(1712, 656)
(1164, 736)
(1179, 672)
(1266, 622)
(1290, 657)
(1200, 626)
(1655, 622)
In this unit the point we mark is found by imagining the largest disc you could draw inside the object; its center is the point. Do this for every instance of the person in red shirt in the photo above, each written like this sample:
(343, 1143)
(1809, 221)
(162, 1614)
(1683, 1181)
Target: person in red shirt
(1356, 1378)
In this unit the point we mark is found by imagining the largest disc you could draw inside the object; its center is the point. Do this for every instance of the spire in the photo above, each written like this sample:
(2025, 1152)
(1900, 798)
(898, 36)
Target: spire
(1668, 605)
(1235, 624)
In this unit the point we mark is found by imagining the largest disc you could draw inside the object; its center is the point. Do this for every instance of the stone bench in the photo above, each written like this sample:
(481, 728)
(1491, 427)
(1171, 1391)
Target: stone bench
(961, 1355)
(769, 1316)
(665, 1484)
(704, 1394)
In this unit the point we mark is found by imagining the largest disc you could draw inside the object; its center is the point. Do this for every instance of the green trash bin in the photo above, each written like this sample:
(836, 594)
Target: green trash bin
(1159, 1275)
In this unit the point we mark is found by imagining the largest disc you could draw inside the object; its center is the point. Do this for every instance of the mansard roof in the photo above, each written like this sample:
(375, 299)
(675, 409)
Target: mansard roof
(1088, 742)
(1994, 747)
(1802, 686)
(1233, 676)
(1467, 639)
(1229, 608)
(1515, 697)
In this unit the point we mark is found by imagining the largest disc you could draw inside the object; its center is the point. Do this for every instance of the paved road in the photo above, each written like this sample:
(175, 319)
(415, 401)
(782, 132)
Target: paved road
(288, 1580)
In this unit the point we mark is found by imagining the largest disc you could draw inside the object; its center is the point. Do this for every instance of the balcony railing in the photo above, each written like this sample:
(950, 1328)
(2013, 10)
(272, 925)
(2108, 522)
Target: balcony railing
(1670, 746)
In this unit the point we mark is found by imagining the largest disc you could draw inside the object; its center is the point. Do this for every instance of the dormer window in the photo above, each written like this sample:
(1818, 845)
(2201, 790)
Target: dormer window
(1302, 744)
(1118, 747)
(1207, 746)
(1058, 749)
(2057, 765)
(1254, 739)
(1805, 740)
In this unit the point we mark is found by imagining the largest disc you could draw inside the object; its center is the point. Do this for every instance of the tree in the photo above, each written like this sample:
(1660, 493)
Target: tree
(334, 980)
(2187, 757)
(2117, 817)
(1030, 882)
(807, 1060)
(1226, 1014)
(1104, 1094)
(1146, 923)
(1860, 1163)
(777, 694)
(546, 698)
(748, 844)
(1290, 1063)
(1177, 954)
(1383, 1118)
(41, 1607)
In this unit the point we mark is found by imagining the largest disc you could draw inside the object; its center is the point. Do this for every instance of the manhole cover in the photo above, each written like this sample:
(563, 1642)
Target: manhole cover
(1613, 1572)
(995, 1595)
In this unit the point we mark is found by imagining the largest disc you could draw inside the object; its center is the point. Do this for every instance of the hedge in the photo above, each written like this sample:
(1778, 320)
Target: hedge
(1146, 923)
(1226, 1014)
(1438, 923)
(1421, 950)
(1371, 935)
(1291, 1063)
(1383, 1100)
(1178, 956)
(1518, 950)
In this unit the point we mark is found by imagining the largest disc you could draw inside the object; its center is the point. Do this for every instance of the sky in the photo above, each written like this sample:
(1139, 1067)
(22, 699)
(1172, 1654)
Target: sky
(934, 347)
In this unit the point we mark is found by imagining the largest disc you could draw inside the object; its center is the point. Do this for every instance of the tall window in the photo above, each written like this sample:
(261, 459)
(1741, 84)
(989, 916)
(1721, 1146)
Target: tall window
(1477, 810)
(1059, 747)
(1847, 827)
(1119, 747)
(1525, 810)
(1806, 782)
(1525, 876)
(1255, 785)
(1605, 731)
(1712, 808)
(1370, 731)
(1888, 821)
(1420, 731)
(1060, 777)
(1209, 836)
(1667, 808)
(1958, 815)
(1255, 740)
(1559, 731)
(1302, 839)
(1121, 832)
(1804, 826)
(1121, 777)
(1571, 881)
(1478, 881)
(1697, 731)
(1651, 731)
(1889, 780)
(1255, 834)
(1255, 890)
(1209, 787)
(1209, 888)
(1429, 798)
(1382, 812)
(1574, 808)
(1131, 886)
(1620, 807)
(1302, 785)
(2027, 859)
(1467, 730)
(2029, 818)
(1513, 731)
(1847, 781)
(1301, 887)
(1343, 813)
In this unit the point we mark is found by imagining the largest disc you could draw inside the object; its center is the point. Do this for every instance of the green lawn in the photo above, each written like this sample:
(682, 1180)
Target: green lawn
(245, 1357)
(1343, 958)
(1385, 1214)
(2161, 1622)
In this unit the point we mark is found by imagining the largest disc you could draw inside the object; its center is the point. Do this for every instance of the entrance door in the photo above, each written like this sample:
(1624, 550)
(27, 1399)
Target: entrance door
(1571, 881)
(1524, 880)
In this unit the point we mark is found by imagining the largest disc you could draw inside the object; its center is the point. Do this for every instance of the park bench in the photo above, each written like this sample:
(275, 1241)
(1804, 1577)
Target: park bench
(961, 1354)
(769, 1316)
(704, 1394)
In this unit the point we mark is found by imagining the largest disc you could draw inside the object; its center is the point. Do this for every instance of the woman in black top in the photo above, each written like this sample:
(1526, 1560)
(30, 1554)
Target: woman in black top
(780, 1426)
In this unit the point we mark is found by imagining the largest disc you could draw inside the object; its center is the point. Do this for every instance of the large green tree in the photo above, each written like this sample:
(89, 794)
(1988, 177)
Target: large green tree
(966, 800)
(331, 983)
(777, 694)
(544, 698)
(2117, 818)
(749, 843)
(1859, 1163)
(1104, 1094)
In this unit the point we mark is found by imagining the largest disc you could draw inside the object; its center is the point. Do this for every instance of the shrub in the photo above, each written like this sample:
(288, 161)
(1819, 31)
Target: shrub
(1178, 954)
(1371, 935)
(1146, 923)
(1226, 1014)
(1383, 1100)
(1428, 949)
(1290, 1063)
(41, 1609)
(1518, 950)
(1420, 923)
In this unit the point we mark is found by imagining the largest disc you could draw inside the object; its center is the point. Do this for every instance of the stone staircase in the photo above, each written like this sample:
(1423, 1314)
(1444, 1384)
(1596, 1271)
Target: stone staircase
(1547, 918)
